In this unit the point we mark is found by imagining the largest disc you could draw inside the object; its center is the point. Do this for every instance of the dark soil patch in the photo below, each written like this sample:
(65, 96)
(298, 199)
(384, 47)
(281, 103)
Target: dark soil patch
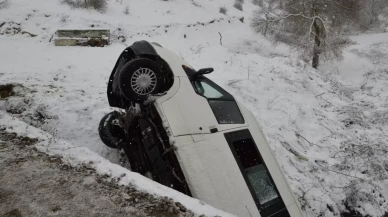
(350, 212)
(6, 91)
(13, 213)
(15, 139)
(10, 28)
(4, 193)
(10, 90)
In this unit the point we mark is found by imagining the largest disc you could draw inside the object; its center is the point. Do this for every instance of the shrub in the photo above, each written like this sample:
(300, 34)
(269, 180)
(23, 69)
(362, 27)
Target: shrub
(126, 10)
(64, 18)
(238, 5)
(99, 5)
(258, 2)
(3, 4)
(223, 10)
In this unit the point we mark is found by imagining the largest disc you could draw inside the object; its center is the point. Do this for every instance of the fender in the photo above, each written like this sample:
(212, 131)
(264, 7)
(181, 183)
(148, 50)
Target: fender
(139, 48)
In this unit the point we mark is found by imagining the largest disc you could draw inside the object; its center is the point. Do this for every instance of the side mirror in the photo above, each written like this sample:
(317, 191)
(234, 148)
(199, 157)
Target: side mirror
(204, 71)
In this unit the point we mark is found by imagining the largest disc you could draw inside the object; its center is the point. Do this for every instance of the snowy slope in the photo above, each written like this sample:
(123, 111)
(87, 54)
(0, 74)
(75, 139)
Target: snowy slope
(329, 136)
(367, 54)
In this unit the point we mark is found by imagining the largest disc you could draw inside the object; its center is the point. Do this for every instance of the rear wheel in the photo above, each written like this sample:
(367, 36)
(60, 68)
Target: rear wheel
(110, 131)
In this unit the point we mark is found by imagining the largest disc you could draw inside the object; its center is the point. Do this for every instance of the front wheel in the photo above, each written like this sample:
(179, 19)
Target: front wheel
(140, 78)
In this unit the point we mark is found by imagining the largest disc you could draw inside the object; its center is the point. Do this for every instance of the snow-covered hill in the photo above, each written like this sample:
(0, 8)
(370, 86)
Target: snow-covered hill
(329, 136)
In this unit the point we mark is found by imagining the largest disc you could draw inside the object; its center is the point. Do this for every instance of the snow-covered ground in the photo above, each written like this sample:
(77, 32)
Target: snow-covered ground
(369, 53)
(327, 128)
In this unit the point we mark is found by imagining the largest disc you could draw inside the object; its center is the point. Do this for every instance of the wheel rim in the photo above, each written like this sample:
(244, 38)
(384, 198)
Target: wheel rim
(143, 81)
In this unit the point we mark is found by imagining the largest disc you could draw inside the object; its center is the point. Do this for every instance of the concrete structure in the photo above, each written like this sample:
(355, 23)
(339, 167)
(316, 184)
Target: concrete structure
(79, 37)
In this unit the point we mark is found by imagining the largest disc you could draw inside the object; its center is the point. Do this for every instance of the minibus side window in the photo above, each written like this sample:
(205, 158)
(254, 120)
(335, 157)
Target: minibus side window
(256, 174)
(255, 170)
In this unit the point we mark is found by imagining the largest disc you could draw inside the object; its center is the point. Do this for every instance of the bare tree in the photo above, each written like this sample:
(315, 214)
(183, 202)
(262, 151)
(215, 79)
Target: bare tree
(281, 5)
(262, 18)
(310, 25)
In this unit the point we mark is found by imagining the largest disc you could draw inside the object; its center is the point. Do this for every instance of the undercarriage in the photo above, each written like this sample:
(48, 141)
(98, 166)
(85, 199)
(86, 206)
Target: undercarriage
(139, 132)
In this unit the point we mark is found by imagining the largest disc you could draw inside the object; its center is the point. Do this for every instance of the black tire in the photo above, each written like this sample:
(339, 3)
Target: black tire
(151, 82)
(110, 133)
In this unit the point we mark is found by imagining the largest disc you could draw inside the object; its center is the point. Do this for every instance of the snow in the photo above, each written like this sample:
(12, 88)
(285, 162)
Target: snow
(327, 127)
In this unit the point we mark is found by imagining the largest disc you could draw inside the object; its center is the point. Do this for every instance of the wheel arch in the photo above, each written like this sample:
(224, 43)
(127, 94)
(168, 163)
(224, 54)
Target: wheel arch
(139, 49)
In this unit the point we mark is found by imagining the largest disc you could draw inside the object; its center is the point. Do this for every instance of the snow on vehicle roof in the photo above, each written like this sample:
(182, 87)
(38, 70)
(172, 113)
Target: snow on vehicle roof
(173, 60)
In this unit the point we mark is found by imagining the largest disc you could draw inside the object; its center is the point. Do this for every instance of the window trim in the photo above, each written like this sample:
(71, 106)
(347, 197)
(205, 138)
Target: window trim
(271, 208)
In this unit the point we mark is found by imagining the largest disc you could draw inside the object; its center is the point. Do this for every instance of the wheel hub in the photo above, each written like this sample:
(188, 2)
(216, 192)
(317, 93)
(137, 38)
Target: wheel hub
(143, 81)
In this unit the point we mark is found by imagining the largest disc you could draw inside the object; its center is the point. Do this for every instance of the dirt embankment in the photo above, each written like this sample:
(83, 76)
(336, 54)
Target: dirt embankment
(35, 184)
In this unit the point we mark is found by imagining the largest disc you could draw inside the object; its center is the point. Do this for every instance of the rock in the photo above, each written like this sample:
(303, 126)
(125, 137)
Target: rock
(56, 208)
(126, 197)
(181, 207)
(89, 180)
